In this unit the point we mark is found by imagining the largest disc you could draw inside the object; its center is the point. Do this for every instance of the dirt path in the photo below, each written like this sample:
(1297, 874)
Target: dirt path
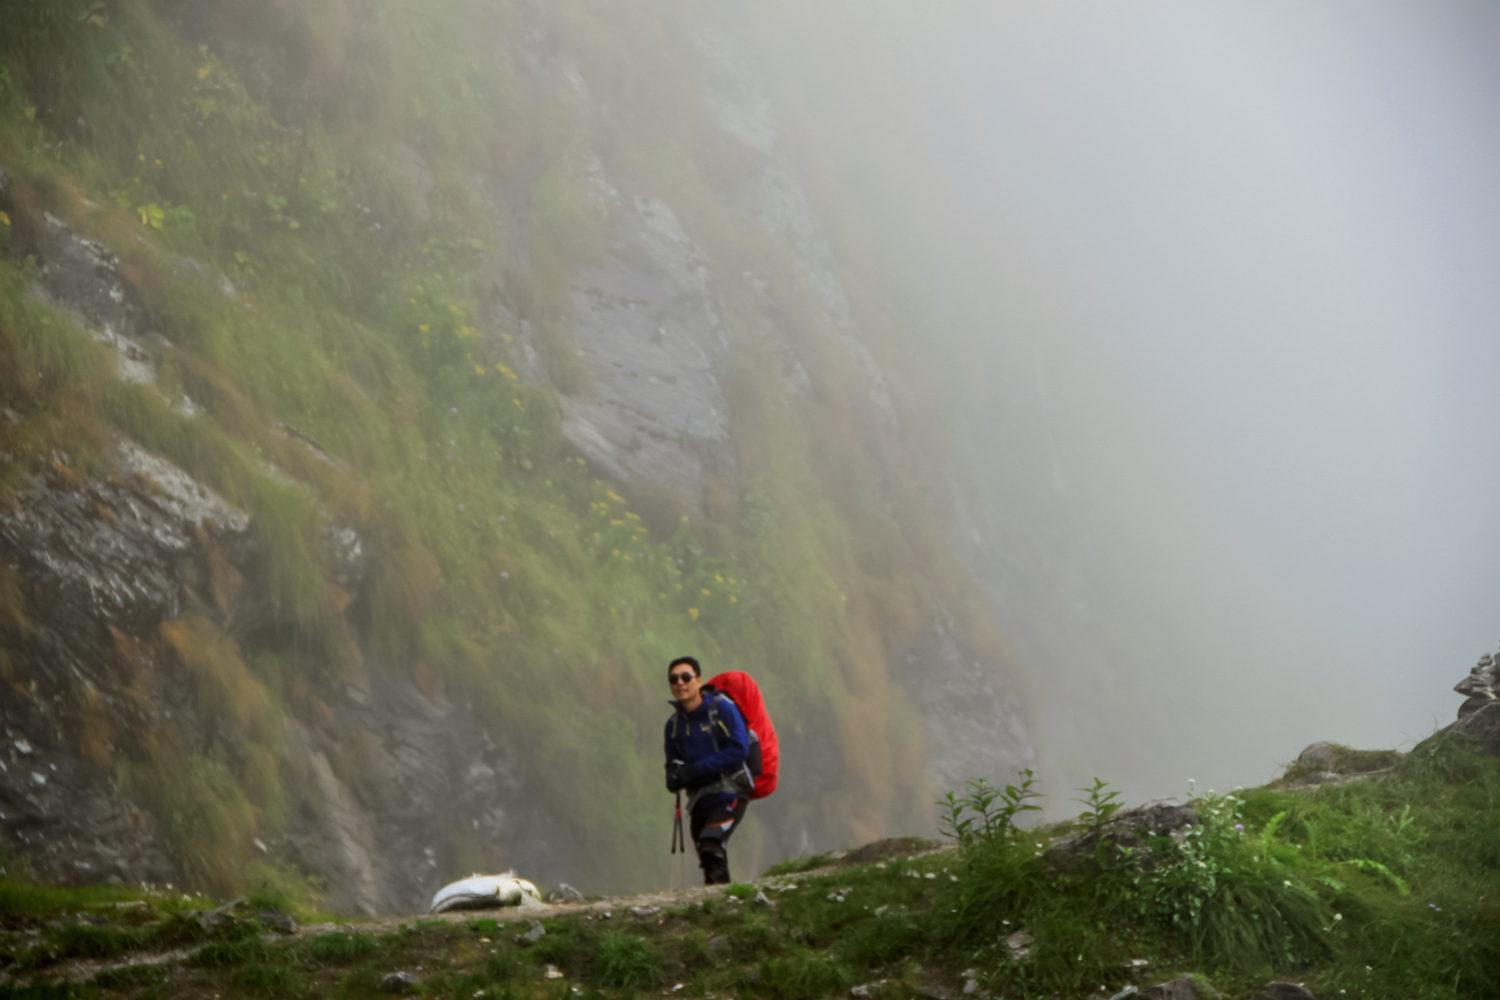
(637, 905)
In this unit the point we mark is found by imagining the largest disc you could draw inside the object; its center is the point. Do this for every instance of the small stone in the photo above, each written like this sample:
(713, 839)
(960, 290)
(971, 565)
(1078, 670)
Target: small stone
(279, 922)
(1020, 944)
(1181, 988)
(643, 911)
(397, 982)
(1286, 991)
(533, 935)
(211, 920)
(719, 947)
(971, 986)
(860, 991)
(761, 898)
(565, 893)
(553, 972)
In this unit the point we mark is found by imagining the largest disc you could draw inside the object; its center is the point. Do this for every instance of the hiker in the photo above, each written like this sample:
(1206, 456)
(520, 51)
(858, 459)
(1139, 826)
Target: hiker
(707, 746)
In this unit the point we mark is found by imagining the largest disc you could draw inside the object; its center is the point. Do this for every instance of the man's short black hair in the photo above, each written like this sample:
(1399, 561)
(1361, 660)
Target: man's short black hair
(697, 670)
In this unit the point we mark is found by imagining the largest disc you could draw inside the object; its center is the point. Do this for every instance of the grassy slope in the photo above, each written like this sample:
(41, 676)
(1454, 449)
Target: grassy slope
(262, 140)
(1380, 889)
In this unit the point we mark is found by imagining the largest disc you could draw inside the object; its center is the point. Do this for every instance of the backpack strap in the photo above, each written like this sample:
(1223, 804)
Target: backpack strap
(714, 725)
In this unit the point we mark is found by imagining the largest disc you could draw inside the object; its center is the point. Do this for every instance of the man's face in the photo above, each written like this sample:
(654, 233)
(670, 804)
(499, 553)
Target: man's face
(685, 684)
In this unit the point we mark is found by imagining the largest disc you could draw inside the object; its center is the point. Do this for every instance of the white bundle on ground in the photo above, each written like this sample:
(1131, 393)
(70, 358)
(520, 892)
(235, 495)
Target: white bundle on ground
(479, 892)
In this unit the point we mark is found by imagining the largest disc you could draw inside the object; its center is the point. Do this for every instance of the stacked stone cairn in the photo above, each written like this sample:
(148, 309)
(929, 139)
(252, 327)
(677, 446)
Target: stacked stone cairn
(1479, 686)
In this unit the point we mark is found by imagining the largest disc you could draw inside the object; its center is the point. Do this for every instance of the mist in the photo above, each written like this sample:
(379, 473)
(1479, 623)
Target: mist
(1212, 288)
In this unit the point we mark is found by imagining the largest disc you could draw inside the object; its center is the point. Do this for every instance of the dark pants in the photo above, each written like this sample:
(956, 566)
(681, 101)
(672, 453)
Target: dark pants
(712, 824)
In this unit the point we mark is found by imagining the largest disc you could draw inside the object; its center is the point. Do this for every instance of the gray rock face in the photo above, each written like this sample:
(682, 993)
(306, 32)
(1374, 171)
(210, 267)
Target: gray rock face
(975, 729)
(1128, 828)
(735, 94)
(103, 563)
(391, 776)
(82, 277)
(651, 328)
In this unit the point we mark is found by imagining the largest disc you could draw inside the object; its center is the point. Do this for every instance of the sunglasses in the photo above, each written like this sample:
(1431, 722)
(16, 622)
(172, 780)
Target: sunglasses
(680, 678)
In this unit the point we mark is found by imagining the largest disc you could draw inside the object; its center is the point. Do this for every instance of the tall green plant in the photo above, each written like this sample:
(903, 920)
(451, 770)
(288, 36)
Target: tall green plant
(987, 813)
(1101, 805)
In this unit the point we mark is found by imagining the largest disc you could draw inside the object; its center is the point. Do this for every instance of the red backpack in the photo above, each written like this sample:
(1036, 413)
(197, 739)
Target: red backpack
(741, 689)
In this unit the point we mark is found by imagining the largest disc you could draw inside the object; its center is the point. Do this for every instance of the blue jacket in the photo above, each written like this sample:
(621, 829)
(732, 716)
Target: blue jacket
(688, 739)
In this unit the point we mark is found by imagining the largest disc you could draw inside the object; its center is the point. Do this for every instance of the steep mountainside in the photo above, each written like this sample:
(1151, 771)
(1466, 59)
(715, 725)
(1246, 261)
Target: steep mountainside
(389, 391)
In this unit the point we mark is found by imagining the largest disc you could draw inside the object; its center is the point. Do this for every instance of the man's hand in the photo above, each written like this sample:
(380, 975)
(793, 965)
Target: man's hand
(677, 775)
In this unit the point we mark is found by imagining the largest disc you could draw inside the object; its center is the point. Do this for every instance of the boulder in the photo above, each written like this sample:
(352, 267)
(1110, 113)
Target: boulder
(397, 982)
(1130, 829)
(1319, 756)
(1327, 763)
(1482, 726)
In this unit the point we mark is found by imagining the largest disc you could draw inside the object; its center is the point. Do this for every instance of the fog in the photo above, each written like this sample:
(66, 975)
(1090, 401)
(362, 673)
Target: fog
(1213, 288)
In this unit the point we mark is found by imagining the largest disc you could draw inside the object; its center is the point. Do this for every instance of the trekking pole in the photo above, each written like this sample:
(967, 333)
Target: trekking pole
(678, 840)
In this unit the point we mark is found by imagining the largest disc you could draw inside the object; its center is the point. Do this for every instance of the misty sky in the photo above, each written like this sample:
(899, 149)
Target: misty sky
(1232, 272)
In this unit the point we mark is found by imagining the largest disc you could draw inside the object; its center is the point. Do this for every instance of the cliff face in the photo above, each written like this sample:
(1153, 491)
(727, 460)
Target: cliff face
(397, 453)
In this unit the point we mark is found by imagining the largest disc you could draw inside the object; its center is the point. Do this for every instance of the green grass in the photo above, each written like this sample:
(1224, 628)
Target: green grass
(1385, 889)
(627, 962)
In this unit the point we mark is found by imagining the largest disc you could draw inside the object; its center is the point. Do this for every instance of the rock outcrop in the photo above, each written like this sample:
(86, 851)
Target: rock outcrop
(110, 561)
(1325, 763)
(1479, 687)
(1479, 716)
(1128, 829)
